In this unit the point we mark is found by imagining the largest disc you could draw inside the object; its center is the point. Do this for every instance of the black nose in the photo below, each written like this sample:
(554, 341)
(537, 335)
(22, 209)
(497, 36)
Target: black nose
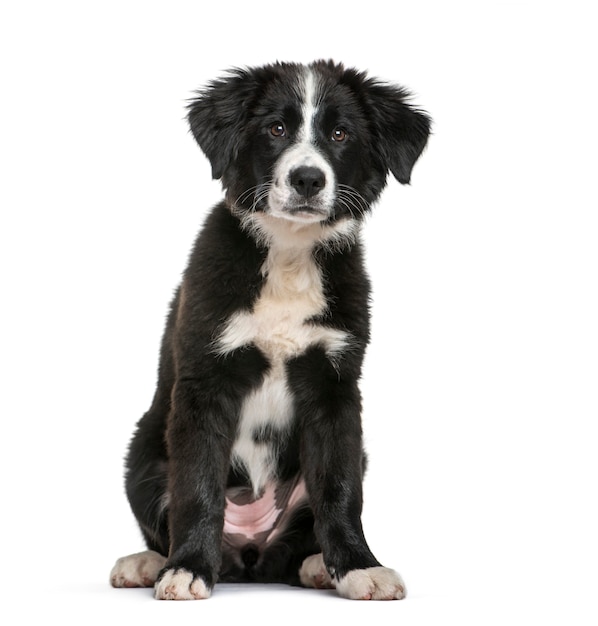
(307, 181)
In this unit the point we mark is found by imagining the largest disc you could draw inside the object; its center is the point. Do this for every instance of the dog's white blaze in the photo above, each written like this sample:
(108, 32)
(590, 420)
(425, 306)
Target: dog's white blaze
(309, 108)
(303, 153)
(278, 325)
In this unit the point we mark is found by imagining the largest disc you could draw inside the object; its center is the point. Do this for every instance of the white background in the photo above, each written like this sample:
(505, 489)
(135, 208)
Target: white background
(481, 382)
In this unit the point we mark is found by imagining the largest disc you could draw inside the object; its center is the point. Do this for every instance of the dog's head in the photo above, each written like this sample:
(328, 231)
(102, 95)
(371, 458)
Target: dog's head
(308, 143)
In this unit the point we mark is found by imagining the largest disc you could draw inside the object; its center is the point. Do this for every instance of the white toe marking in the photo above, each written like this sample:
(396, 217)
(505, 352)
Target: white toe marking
(313, 573)
(373, 583)
(137, 570)
(181, 585)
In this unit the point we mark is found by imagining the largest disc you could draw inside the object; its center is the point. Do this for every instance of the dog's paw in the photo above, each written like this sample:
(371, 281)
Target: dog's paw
(373, 583)
(181, 584)
(313, 573)
(137, 570)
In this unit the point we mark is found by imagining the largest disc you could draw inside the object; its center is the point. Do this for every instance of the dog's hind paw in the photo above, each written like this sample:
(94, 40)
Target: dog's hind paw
(313, 573)
(373, 583)
(137, 570)
(181, 584)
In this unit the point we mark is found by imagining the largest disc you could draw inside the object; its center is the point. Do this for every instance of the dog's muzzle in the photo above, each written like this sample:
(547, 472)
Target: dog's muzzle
(303, 186)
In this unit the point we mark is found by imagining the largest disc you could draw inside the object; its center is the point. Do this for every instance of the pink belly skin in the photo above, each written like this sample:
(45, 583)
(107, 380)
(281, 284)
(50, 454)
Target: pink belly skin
(265, 516)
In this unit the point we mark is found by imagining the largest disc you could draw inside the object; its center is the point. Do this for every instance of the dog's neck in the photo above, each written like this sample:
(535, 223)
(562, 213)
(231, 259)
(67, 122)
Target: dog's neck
(284, 234)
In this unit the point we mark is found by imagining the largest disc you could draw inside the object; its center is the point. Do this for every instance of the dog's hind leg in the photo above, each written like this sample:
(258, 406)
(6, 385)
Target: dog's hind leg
(147, 464)
(146, 486)
(146, 490)
(147, 480)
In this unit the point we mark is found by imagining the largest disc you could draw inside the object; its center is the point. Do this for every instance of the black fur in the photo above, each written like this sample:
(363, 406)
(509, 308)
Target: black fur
(179, 463)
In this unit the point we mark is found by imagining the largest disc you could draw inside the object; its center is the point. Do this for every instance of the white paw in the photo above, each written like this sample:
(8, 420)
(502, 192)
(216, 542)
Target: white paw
(313, 573)
(137, 570)
(373, 583)
(180, 584)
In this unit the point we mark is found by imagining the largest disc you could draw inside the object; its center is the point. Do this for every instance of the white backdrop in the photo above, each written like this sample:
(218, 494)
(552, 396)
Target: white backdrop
(482, 482)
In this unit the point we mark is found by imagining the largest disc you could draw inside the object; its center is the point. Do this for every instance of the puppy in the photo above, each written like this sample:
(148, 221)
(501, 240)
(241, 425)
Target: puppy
(248, 465)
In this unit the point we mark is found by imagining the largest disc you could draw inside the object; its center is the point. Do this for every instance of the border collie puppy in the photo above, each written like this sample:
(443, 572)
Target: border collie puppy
(248, 465)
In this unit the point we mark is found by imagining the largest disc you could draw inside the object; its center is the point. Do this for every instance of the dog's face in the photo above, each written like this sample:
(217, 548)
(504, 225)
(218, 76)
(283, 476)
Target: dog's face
(306, 143)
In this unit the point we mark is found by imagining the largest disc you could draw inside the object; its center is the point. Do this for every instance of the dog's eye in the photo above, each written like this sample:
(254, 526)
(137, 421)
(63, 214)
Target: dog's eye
(339, 134)
(278, 130)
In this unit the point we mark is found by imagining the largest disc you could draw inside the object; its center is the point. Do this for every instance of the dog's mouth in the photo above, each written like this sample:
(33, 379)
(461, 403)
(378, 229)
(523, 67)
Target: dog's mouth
(304, 212)
(305, 209)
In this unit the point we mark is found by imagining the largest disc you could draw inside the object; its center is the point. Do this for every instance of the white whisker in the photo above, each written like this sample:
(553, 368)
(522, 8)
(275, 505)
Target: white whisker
(255, 195)
(352, 200)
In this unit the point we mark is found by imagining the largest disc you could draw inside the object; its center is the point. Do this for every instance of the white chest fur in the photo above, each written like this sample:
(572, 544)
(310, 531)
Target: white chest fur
(279, 325)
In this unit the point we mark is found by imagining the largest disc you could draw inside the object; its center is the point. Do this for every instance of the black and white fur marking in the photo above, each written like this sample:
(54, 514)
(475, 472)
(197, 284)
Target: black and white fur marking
(248, 465)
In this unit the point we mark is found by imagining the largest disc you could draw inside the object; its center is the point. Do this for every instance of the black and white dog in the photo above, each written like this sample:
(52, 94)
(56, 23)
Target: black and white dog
(248, 466)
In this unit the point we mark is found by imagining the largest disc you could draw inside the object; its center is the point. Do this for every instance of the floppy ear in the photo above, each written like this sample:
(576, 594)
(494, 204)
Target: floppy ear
(401, 130)
(218, 115)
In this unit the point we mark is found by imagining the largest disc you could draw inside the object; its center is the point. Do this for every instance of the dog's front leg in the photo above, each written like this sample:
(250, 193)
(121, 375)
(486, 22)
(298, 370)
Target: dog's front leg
(199, 437)
(332, 464)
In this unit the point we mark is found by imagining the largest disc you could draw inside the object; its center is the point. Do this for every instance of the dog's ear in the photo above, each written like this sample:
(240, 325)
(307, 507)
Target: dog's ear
(401, 131)
(218, 115)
